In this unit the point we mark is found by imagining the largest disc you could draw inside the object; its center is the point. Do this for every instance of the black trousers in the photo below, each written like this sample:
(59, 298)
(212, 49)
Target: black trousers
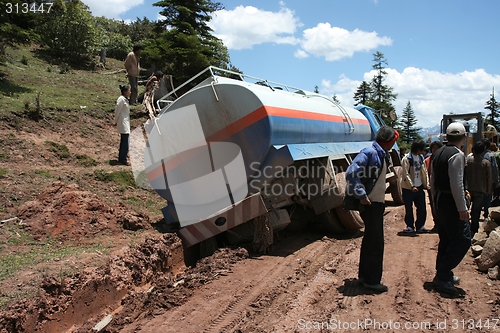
(372, 247)
(454, 237)
(123, 151)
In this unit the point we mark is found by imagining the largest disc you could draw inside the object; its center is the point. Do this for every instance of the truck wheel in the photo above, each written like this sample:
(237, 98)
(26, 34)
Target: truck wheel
(299, 217)
(331, 222)
(350, 218)
(208, 247)
(396, 188)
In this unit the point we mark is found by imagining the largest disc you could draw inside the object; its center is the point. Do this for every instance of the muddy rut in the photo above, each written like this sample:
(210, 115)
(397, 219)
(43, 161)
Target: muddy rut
(308, 285)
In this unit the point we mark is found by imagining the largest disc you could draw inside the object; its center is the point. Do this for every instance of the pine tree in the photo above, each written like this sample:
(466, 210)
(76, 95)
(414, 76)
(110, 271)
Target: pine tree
(382, 95)
(493, 106)
(185, 44)
(408, 120)
(362, 94)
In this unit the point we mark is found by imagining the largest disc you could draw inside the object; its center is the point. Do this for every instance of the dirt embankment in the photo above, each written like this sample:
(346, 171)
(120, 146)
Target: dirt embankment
(63, 304)
(69, 214)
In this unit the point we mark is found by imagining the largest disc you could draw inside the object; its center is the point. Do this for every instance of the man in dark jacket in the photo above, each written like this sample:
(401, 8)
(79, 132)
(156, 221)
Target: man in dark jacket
(370, 165)
(494, 174)
(447, 188)
(479, 182)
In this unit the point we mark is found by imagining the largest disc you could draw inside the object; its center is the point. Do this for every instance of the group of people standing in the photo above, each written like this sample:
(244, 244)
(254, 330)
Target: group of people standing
(446, 174)
(481, 177)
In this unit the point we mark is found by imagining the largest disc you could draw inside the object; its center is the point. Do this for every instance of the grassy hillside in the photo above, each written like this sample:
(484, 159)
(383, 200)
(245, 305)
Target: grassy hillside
(73, 142)
(28, 71)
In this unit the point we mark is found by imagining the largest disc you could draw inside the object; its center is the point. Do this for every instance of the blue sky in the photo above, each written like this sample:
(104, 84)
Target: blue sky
(442, 55)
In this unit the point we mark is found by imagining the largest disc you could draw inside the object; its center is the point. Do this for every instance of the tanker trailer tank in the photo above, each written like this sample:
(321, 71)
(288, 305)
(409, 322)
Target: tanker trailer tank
(281, 153)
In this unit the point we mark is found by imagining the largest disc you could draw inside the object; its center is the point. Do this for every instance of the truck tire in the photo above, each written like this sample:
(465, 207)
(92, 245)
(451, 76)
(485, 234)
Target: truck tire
(351, 219)
(396, 188)
(331, 222)
(299, 217)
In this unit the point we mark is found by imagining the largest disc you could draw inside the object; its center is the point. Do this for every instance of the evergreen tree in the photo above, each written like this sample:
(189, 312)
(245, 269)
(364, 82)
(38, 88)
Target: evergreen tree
(362, 94)
(408, 120)
(185, 45)
(316, 89)
(493, 106)
(382, 95)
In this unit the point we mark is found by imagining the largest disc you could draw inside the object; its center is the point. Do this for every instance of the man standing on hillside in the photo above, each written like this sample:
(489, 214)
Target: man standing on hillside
(447, 184)
(133, 66)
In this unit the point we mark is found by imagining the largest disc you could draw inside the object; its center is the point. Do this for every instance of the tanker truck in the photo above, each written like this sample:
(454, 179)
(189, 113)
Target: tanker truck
(238, 157)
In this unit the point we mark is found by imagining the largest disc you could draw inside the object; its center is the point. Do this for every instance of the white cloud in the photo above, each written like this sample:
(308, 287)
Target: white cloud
(334, 43)
(245, 27)
(111, 8)
(431, 93)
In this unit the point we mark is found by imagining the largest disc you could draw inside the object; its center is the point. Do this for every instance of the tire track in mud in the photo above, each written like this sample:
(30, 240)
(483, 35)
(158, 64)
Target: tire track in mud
(253, 283)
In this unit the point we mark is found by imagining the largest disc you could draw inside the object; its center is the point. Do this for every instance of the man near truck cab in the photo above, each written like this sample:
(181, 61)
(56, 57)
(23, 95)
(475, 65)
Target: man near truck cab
(447, 185)
(371, 164)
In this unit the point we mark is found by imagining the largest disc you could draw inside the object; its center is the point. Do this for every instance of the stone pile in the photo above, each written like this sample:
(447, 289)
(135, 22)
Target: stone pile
(486, 245)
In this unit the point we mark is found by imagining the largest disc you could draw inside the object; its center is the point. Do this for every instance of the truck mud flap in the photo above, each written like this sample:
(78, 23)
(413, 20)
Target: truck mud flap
(236, 214)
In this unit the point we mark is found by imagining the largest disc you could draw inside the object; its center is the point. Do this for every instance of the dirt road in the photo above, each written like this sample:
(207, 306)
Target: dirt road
(308, 285)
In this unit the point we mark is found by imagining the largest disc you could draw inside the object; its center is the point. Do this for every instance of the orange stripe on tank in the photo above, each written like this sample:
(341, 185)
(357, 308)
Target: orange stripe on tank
(255, 116)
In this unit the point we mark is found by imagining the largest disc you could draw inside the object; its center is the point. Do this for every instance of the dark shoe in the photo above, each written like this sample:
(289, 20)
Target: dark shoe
(423, 230)
(378, 288)
(455, 280)
(445, 287)
(124, 163)
(408, 230)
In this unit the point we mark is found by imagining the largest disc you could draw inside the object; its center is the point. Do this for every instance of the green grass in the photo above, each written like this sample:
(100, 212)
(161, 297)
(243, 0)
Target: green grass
(60, 150)
(124, 178)
(17, 235)
(25, 252)
(3, 156)
(14, 262)
(133, 201)
(3, 172)
(86, 161)
(44, 173)
(8, 298)
(21, 81)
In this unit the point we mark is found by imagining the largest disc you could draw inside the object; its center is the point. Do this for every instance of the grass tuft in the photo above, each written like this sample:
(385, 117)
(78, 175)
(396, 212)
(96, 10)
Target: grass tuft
(60, 150)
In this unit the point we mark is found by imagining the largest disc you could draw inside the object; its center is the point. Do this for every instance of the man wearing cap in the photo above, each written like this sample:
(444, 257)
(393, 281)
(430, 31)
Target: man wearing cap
(133, 66)
(368, 170)
(447, 187)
